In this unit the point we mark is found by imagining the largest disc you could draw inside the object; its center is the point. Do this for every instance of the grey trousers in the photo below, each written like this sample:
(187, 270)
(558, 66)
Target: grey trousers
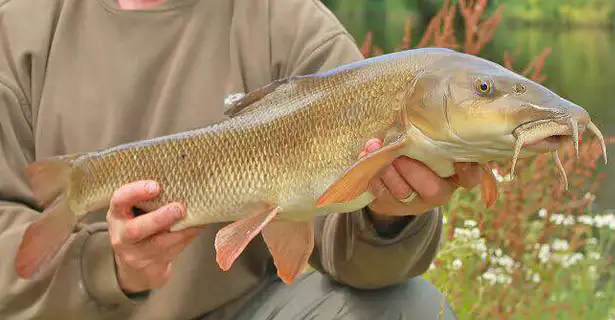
(315, 297)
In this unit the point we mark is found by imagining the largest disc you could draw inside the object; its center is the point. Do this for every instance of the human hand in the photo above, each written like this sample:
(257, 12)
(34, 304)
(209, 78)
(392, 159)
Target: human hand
(408, 187)
(143, 246)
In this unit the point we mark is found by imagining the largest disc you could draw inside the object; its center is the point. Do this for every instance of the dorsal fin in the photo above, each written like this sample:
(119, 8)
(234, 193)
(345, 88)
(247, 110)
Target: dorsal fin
(237, 103)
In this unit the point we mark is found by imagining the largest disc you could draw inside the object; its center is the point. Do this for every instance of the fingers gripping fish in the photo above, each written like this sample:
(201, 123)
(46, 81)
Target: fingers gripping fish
(289, 150)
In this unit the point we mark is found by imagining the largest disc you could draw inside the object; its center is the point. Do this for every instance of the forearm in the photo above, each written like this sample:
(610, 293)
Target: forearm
(352, 251)
(80, 284)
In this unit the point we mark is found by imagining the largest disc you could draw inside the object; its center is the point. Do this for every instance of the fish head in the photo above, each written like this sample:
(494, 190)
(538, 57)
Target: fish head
(487, 111)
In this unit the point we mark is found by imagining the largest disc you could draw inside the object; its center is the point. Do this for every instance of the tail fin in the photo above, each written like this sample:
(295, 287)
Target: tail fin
(45, 236)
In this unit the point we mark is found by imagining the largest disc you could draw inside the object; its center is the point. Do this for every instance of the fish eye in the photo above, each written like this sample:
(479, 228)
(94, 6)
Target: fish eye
(484, 87)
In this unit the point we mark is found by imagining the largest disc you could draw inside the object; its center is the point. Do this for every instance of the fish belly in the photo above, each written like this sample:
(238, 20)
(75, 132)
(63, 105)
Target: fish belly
(423, 149)
(303, 208)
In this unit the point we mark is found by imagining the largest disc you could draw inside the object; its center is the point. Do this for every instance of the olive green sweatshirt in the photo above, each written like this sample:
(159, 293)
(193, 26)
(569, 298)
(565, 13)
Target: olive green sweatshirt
(82, 75)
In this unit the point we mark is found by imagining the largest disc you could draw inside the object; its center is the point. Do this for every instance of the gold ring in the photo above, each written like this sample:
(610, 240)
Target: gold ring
(410, 197)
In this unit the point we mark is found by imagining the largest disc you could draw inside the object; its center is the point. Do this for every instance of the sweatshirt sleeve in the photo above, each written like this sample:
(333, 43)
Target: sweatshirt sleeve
(348, 247)
(82, 282)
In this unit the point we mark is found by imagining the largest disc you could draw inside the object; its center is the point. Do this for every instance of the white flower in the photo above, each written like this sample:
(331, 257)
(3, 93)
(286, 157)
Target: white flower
(432, 266)
(594, 255)
(461, 233)
(536, 278)
(474, 233)
(560, 219)
(505, 261)
(444, 220)
(544, 254)
(592, 241)
(599, 294)
(571, 259)
(569, 221)
(494, 276)
(605, 220)
(560, 245)
(480, 245)
(457, 264)
(490, 277)
(542, 213)
(586, 220)
(467, 234)
(557, 218)
(470, 223)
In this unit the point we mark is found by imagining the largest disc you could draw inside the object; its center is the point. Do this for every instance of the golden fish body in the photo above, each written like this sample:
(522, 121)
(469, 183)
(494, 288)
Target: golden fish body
(290, 151)
(287, 151)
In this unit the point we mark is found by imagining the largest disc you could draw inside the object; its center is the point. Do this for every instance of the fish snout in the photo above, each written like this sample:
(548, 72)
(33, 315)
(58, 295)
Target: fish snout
(579, 115)
(573, 120)
(565, 121)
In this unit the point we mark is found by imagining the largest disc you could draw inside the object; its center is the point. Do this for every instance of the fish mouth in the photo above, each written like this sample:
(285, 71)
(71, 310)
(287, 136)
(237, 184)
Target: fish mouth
(548, 135)
(550, 143)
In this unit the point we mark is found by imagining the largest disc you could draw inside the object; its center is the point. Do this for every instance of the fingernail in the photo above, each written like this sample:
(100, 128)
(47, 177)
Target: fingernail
(373, 147)
(151, 187)
(176, 212)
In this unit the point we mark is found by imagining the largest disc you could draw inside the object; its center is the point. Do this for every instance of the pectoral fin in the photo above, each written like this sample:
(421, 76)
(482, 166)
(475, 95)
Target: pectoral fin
(291, 244)
(355, 180)
(488, 187)
(234, 238)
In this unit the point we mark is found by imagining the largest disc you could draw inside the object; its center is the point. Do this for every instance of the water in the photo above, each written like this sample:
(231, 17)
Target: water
(581, 66)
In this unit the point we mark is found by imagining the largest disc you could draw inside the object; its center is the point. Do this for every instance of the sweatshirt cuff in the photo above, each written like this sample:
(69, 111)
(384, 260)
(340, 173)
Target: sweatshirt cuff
(99, 272)
(368, 233)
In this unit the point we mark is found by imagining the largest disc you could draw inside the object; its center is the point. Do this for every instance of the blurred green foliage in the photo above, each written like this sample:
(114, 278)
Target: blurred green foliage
(542, 12)
(572, 12)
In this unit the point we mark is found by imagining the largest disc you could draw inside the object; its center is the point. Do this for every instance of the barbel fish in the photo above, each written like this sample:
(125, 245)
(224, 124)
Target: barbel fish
(289, 151)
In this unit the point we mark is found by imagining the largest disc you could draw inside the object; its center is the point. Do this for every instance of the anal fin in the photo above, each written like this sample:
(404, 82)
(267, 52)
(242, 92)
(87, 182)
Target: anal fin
(488, 187)
(234, 238)
(291, 244)
(43, 239)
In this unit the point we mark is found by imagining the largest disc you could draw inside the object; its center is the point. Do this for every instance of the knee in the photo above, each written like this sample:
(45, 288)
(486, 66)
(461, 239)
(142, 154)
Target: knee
(415, 299)
(420, 294)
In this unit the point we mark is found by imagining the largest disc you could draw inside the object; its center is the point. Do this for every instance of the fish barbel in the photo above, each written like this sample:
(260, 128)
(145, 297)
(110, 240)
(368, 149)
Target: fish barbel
(289, 151)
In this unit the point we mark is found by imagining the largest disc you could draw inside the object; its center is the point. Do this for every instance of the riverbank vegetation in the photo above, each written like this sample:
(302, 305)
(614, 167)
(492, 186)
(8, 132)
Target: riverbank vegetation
(594, 13)
(542, 252)
(572, 13)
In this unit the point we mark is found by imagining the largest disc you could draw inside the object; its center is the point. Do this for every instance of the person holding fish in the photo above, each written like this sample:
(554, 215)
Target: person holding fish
(129, 187)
